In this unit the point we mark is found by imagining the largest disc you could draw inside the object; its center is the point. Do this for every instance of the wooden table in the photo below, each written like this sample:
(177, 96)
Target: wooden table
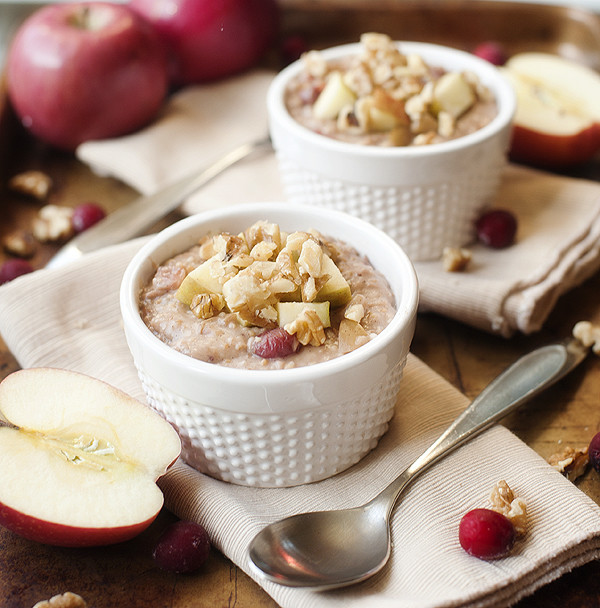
(567, 414)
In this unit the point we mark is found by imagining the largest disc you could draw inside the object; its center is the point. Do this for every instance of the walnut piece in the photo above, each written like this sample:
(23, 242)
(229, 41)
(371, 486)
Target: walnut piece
(505, 502)
(31, 183)
(455, 259)
(571, 462)
(308, 328)
(19, 243)
(588, 334)
(64, 600)
(53, 223)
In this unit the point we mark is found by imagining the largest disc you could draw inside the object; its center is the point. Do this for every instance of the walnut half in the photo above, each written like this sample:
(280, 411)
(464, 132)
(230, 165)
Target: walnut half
(64, 600)
(504, 501)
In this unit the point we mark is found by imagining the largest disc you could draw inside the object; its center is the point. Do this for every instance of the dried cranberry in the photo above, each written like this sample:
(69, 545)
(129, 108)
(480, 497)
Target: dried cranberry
(496, 228)
(594, 452)
(275, 343)
(292, 48)
(486, 534)
(491, 51)
(183, 547)
(86, 215)
(11, 269)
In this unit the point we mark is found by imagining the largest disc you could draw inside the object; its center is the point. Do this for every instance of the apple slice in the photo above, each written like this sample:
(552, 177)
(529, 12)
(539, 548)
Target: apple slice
(334, 96)
(557, 123)
(453, 94)
(287, 312)
(336, 290)
(80, 466)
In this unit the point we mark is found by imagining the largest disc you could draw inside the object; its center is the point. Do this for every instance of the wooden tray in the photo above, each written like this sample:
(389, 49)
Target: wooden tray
(124, 575)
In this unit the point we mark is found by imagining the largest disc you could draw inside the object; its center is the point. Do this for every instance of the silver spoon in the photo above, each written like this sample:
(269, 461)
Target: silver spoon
(329, 549)
(139, 215)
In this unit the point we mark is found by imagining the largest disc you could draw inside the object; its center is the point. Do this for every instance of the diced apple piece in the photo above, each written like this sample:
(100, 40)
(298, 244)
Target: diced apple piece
(81, 467)
(334, 96)
(453, 94)
(202, 279)
(287, 312)
(336, 290)
(557, 123)
(351, 335)
(379, 120)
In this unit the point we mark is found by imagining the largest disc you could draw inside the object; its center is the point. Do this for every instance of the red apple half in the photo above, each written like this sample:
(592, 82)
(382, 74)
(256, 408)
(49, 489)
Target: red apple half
(557, 123)
(81, 467)
(85, 70)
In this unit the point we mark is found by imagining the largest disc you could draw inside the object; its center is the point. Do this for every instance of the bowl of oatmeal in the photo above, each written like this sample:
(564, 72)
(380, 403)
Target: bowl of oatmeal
(412, 137)
(273, 337)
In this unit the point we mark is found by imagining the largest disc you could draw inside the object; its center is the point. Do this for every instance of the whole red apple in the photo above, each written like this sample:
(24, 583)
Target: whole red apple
(210, 39)
(85, 70)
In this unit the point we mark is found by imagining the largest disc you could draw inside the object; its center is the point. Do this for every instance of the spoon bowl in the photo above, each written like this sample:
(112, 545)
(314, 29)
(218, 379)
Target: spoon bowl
(329, 549)
(297, 550)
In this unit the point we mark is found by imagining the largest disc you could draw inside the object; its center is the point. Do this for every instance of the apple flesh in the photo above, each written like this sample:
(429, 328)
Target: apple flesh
(80, 464)
(557, 123)
(210, 40)
(85, 70)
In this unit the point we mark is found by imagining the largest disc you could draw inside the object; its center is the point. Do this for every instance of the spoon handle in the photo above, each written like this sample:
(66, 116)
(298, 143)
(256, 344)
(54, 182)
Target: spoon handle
(524, 379)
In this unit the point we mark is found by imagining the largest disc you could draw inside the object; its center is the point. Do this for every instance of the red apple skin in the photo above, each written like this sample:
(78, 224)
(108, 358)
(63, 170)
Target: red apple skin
(209, 40)
(69, 84)
(59, 535)
(553, 151)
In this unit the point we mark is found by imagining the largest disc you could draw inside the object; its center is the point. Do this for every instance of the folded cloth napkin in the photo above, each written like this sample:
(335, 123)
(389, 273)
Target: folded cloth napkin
(69, 317)
(502, 291)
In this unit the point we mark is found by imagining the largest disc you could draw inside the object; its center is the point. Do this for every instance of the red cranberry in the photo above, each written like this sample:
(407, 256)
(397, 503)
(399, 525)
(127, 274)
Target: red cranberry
(486, 534)
(594, 452)
(86, 215)
(183, 547)
(491, 51)
(496, 228)
(292, 48)
(275, 343)
(13, 268)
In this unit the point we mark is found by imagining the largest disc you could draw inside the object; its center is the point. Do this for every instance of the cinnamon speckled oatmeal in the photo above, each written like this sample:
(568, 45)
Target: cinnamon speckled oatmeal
(248, 281)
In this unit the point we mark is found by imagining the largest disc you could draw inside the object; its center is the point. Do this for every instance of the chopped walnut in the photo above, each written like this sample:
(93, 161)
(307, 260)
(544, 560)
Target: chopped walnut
(571, 462)
(19, 243)
(393, 90)
(308, 328)
(455, 259)
(588, 334)
(504, 501)
(32, 183)
(206, 305)
(65, 600)
(53, 223)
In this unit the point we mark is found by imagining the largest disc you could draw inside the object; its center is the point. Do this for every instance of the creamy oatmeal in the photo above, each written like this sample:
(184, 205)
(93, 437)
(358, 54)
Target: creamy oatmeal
(383, 97)
(265, 299)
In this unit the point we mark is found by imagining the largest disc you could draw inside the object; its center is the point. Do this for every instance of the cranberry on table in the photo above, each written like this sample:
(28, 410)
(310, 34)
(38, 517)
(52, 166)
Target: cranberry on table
(13, 268)
(594, 452)
(183, 547)
(275, 343)
(486, 534)
(86, 215)
(497, 228)
(491, 51)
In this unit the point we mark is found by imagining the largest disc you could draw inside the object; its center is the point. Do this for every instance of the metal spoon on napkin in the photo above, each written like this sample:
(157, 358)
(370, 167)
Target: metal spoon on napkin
(329, 549)
(136, 217)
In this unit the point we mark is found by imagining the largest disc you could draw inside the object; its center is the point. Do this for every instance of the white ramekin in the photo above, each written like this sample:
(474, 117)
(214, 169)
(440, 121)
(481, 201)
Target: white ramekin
(271, 428)
(425, 197)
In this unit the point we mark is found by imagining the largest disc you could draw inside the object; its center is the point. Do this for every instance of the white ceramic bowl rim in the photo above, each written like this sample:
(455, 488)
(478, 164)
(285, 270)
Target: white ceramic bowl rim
(435, 55)
(405, 309)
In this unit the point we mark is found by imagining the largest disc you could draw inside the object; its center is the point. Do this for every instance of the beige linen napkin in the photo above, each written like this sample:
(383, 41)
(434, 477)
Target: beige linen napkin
(503, 291)
(69, 317)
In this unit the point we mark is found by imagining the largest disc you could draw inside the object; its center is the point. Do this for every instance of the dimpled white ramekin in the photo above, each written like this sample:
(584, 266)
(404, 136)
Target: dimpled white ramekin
(270, 428)
(425, 197)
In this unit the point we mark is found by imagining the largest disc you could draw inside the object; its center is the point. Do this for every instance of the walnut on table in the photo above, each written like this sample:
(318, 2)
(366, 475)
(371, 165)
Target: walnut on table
(53, 223)
(571, 462)
(64, 600)
(31, 183)
(19, 243)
